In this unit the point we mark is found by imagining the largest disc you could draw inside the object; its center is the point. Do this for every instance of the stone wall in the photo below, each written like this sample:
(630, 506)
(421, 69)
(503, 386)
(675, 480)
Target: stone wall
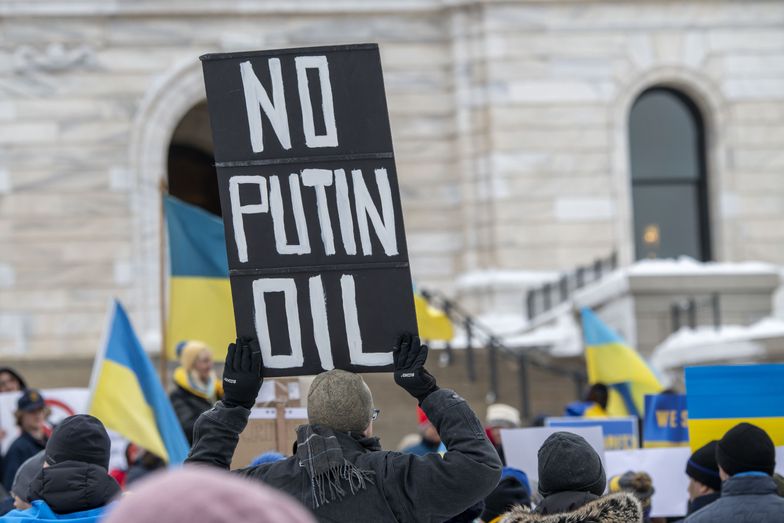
(508, 118)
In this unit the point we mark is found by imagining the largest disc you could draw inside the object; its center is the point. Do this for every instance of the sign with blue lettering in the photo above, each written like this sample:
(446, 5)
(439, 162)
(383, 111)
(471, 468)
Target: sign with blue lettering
(666, 421)
(620, 433)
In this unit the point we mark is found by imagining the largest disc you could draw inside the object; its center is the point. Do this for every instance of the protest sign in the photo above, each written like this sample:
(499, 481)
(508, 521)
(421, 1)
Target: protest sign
(314, 230)
(666, 421)
(722, 396)
(619, 433)
(62, 402)
(666, 467)
(521, 446)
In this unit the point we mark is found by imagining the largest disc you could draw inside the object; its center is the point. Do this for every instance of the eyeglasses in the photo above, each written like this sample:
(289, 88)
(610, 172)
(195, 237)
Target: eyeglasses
(376, 412)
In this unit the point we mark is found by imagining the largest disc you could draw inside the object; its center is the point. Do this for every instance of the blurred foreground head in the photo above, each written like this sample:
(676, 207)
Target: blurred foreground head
(205, 495)
(341, 401)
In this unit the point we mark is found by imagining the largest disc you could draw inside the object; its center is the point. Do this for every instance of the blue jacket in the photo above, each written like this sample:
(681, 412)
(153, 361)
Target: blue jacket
(40, 511)
(744, 499)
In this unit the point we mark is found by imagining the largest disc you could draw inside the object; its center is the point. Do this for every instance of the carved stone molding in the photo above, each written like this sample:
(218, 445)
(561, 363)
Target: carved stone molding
(52, 58)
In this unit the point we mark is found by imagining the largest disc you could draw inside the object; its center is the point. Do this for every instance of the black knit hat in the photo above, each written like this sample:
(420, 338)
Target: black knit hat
(702, 466)
(746, 448)
(79, 438)
(568, 463)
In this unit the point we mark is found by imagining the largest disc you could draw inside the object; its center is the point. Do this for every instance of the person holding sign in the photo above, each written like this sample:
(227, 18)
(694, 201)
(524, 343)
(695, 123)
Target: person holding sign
(339, 470)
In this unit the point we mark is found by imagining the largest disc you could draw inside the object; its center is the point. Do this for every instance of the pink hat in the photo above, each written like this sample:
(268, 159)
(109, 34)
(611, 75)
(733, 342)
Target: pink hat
(199, 494)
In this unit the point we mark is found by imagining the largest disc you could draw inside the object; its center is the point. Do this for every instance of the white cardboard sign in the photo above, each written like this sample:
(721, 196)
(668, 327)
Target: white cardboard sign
(521, 446)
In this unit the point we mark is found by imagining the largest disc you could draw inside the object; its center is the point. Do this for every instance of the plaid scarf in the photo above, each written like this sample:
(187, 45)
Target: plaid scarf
(319, 452)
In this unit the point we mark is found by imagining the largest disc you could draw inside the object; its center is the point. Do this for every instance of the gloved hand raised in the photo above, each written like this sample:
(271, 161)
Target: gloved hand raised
(242, 373)
(410, 373)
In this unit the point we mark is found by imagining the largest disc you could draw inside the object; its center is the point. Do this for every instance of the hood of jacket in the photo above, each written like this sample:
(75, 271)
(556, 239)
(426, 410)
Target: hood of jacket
(73, 486)
(615, 508)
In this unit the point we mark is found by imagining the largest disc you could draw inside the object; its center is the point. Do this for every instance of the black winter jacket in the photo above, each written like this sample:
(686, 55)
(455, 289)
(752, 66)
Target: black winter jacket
(404, 487)
(744, 499)
(188, 408)
(73, 486)
(23, 448)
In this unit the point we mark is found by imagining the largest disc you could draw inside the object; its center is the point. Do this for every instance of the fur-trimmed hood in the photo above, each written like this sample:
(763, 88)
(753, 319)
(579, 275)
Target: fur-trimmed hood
(615, 508)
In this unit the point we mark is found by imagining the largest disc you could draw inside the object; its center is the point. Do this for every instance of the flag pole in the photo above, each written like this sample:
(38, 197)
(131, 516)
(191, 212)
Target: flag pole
(164, 363)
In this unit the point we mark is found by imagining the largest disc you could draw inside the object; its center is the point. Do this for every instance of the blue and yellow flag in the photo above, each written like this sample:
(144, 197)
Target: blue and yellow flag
(720, 397)
(200, 306)
(127, 396)
(612, 362)
(433, 324)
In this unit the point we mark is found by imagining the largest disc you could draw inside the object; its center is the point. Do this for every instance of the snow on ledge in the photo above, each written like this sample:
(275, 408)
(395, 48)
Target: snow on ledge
(708, 345)
(496, 277)
(690, 267)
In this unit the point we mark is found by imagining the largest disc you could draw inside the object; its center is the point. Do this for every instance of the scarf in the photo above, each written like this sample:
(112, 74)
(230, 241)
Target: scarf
(320, 454)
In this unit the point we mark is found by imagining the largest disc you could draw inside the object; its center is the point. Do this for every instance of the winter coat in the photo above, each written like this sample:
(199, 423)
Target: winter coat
(40, 511)
(188, 402)
(615, 508)
(744, 499)
(372, 485)
(73, 486)
(23, 448)
(701, 502)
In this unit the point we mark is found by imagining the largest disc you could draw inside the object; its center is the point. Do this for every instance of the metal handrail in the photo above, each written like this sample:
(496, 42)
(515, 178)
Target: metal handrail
(474, 329)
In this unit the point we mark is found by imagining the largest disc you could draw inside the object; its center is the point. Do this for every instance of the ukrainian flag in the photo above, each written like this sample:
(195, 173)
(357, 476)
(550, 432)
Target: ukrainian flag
(127, 396)
(200, 306)
(433, 323)
(612, 362)
(720, 397)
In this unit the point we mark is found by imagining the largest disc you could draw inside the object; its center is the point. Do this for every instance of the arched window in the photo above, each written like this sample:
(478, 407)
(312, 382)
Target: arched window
(669, 192)
(191, 166)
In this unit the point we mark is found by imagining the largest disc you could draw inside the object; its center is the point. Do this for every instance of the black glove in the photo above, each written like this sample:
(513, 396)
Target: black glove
(242, 374)
(410, 373)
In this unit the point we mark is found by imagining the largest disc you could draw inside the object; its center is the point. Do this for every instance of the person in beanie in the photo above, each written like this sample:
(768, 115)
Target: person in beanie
(430, 440)
(74, 483)
(338, 469)
(571, 483)
(196, 387)
(31, 414)
(746, 457)
(704, 478)
(205, 495)
(24, 477)
(500, 416)
(640, 484)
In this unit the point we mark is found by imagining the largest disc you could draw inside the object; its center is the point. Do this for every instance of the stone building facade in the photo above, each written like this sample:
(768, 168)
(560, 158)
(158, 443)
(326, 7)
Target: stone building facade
(510, 120)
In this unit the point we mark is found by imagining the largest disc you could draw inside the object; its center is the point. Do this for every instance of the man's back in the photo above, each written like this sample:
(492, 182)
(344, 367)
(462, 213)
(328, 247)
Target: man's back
(744, 499)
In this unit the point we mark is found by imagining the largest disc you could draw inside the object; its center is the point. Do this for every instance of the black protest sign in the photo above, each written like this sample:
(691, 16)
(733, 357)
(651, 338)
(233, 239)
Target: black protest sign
(314, 229)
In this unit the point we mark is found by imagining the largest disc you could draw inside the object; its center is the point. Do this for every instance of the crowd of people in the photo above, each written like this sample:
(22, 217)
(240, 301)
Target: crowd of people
(454, 469)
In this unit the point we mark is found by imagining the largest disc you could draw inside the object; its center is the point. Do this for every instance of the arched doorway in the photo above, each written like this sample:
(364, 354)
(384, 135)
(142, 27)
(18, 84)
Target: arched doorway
(191, 170)
(668, 175)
